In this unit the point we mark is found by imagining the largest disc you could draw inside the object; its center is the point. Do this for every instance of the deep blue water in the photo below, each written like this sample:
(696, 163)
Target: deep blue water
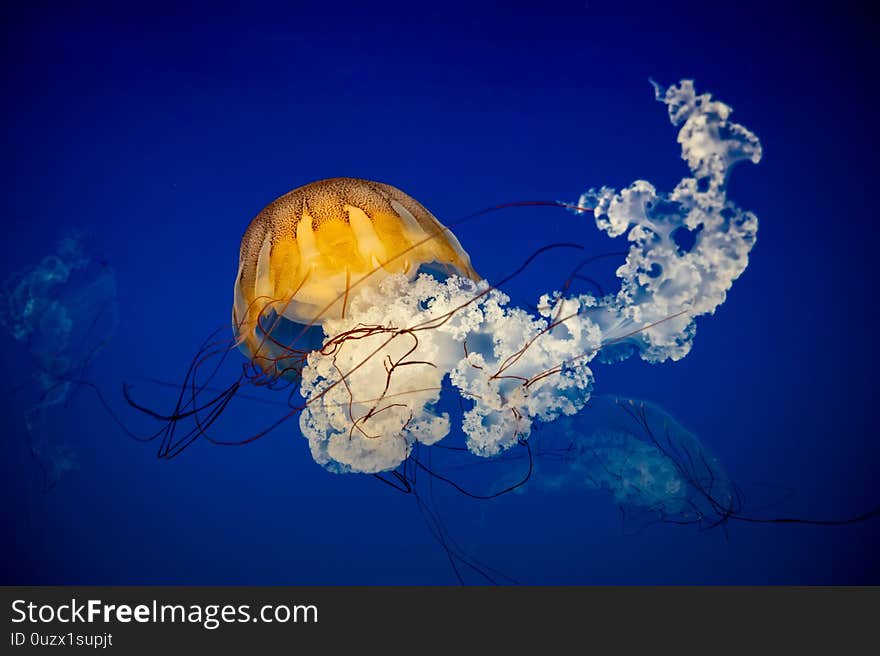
(160, 132)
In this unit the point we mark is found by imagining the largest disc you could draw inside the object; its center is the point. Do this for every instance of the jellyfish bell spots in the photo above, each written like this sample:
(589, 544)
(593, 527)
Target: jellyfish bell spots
(307, 254)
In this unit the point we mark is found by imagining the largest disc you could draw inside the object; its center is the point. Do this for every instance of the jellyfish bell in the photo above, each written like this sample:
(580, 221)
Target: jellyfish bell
(306, 254)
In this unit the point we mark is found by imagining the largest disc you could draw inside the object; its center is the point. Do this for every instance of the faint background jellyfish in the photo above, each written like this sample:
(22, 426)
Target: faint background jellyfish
(654, 468)
(304, 256)
(62, 311)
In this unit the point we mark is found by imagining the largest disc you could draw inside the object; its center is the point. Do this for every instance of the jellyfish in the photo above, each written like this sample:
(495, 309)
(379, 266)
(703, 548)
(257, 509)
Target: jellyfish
(352, 297)
(654, 469)
(302, 254)
(650, 464)
(62, 310)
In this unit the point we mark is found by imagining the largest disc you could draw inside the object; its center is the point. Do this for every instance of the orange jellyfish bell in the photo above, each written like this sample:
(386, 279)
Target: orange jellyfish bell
(306, 252)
